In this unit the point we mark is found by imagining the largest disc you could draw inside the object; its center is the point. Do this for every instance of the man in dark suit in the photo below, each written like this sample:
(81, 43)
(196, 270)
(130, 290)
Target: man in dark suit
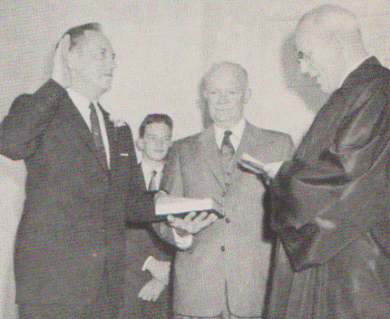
(70, 245)
(146, 292)
(330, 203)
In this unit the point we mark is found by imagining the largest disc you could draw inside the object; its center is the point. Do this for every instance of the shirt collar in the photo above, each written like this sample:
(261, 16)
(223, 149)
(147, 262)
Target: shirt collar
(82, 104)
(79, 100)
(237, 132)
(149, 166)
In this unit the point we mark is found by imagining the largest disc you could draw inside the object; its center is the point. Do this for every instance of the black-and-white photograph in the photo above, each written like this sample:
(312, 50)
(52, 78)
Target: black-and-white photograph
(192, 159)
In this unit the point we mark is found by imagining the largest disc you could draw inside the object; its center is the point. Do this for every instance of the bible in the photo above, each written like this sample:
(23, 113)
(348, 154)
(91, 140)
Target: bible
(181, 206)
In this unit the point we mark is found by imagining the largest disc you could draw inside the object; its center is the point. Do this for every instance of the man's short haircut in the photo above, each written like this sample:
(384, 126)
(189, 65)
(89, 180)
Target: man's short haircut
(77, 34)
(155, 118)
(331, 20)
(238, 68)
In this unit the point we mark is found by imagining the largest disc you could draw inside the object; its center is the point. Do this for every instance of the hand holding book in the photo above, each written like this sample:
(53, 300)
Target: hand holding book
(266, 171)
(193, 222)
(190, 215)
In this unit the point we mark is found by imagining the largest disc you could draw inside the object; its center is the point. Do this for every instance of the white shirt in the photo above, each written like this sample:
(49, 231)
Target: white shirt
(82, 104)
(237, 132)
(147, 170)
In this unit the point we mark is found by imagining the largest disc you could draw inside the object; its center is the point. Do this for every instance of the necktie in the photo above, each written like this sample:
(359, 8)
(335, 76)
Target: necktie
(153, 183)
(97, 135)
(227, 148)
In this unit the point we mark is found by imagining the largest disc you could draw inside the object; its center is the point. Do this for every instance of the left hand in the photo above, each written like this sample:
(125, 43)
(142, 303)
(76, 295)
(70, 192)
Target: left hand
(159, 269)
(194, 222)
(151, 290)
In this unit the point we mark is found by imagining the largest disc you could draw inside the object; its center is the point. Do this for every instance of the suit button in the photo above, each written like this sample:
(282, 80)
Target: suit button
(227, 184)
(223, 248)
(227, 220)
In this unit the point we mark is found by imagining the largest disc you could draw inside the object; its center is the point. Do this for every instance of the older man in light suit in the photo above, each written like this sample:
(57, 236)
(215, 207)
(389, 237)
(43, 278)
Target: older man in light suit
(221, 271)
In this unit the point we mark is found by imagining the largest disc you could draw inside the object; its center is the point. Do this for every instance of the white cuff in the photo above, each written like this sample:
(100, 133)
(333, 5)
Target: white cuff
(182, 242)
(145, 265)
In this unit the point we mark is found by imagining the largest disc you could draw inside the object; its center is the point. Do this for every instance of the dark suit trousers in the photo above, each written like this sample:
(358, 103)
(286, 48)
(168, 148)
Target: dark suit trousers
(101, 308)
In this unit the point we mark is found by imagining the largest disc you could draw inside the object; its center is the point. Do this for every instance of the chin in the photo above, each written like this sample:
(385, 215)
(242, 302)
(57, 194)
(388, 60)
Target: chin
(327, 89)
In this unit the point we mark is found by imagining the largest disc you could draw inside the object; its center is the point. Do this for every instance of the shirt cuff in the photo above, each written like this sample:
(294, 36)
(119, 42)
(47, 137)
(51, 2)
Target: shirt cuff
(182, 242)
(145, 265)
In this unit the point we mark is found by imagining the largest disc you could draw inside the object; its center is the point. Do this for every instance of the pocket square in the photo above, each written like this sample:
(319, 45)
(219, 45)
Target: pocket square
(124, 154)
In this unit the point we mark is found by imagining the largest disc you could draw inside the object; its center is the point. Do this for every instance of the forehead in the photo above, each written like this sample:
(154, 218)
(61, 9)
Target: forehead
(308, 37)
(96, 40)
(225, 77)
(158, 128)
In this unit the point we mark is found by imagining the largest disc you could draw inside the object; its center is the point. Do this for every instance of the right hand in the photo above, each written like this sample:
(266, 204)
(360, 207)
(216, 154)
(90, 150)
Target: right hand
(193, 223)
(61, 71)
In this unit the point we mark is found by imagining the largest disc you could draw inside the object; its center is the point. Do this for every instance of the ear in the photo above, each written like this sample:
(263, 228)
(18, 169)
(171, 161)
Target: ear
(204, 94)
(140, 144)
(338, 42)
(247, 95)
(73, 59)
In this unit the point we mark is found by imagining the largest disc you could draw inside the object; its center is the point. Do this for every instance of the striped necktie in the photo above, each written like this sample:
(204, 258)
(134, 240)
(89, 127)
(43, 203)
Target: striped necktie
(97, 134)
(153, 183)
(227, 148)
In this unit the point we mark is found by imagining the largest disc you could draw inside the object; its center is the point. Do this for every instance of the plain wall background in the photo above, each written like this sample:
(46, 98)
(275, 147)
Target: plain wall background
(163, 49)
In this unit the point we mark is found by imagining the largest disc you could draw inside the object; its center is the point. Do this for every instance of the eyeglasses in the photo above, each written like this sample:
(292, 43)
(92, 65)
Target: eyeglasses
(304, 57)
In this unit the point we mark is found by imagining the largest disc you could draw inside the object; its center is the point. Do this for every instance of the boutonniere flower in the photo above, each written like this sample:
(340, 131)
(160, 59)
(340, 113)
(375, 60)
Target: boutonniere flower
(117, 122)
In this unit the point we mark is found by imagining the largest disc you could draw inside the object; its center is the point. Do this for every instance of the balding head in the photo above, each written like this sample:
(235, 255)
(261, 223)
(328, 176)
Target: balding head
(223, 68)
(328, 21)
(329, 42)
(226, 93)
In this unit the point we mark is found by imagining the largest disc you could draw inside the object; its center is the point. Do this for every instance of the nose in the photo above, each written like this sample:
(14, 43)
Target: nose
(303, 66)
(223, 98)
(307, 68)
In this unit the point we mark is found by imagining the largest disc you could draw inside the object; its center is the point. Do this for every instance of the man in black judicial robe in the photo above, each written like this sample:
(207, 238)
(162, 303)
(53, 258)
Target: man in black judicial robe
(330, 203)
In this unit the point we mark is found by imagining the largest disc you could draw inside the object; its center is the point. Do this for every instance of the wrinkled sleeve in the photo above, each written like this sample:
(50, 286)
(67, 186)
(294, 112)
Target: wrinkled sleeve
(28, 119)
(320, 207)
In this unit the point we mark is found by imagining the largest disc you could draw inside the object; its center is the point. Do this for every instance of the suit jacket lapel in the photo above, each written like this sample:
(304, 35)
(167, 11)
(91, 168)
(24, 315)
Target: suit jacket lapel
(246, 144)
(69, 113)
(211, 155)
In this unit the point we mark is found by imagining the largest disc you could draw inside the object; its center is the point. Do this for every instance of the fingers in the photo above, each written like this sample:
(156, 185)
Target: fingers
(151, 290)
(193, 222)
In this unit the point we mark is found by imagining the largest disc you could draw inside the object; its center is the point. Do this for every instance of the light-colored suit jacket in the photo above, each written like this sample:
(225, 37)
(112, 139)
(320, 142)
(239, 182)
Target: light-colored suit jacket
(230, 257)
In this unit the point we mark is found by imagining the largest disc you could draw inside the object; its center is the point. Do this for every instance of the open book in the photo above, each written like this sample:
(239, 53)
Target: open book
(255, 166)
(182, 205)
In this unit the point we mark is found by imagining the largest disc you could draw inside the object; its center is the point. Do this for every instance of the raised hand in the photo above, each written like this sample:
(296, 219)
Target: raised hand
(61, 72)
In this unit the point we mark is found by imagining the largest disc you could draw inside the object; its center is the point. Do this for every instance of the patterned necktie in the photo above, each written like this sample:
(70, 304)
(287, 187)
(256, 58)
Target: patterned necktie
(227, 148)
(96, 132)
(153, 183)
